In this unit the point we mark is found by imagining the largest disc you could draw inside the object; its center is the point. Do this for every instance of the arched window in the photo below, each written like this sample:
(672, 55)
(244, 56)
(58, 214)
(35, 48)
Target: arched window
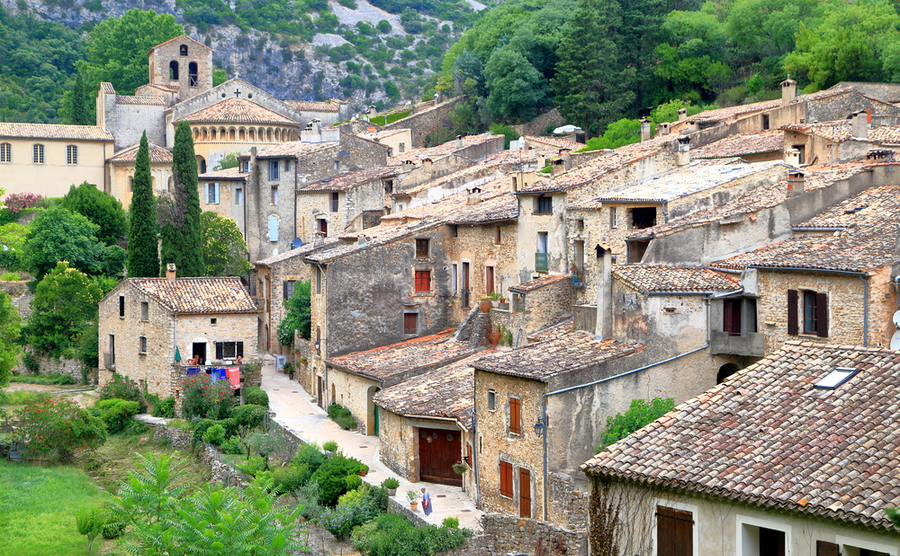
(173, 70)
(130, 183)
(5, 152)
(201, 164)
(38, 156)
(71, 154)
(169, 185)
(192, 74)
(184, 50)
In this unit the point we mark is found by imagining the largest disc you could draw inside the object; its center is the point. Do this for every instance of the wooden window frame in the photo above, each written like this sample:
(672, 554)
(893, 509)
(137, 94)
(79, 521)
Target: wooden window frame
(423, 248)
(506, 480)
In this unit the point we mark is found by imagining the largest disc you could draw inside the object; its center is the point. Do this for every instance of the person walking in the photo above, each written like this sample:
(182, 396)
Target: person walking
(426, 502)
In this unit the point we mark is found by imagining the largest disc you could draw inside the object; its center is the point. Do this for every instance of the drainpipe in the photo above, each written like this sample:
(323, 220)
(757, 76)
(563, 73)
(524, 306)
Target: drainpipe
(475, 458)
(865, 310)
(602, 380)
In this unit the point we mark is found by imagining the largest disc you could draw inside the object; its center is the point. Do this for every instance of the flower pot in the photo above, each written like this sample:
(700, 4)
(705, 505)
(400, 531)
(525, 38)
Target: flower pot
(391, 491)
(291, 376)
(414, 506)
(362, 472)
(485, 306)
(495, 304)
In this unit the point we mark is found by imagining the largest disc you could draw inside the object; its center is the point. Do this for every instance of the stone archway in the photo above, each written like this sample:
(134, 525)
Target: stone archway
(726, 371)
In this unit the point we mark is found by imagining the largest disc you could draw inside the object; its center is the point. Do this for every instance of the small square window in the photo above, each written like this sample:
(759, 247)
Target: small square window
(212, 322)
(492, 400)
(143, 345)
(145, 311)
(422, 248)
(543, 205)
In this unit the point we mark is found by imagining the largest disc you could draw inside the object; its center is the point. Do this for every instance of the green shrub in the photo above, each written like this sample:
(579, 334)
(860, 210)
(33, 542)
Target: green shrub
(342, 416)
(232, 446)
(215, 434)
(353, 482)
(89, 521)
(248, 415)
(115, 413)
(346, 422)
(331, 477)
(639, 414)
(133, 427)
(253, 466)
(391, 482)
(308, 497)
(31, 363)
(287, 480)
(57, 379)
(310, 456)
(256, 396)
(113, 529)
(393, 535)
(121, 387)
(165, 408)
(46, 425)
(10, 277)
(451, 522)
(207, 399)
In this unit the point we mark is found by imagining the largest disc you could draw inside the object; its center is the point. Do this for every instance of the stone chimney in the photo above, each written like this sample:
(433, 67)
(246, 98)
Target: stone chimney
(170, 271)
(541, 161)
(792, 157)
(645, 130)
(684, 151)
(663, 129)
(459, 142)
(604, 293)
(682, 114)
(860, 126)
(319, 239)
(557, 167)
(474, 196)
(427, 163)
(796, 183)
(788, 91)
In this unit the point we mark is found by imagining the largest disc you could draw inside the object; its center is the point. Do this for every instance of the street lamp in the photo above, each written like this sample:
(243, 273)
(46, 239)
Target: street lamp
(540, 426)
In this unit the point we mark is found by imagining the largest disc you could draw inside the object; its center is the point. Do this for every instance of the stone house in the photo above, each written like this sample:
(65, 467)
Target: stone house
(750, 147)
(535, 305)
(325, 113)
(46, 159)
(121, 168)
(224, 193)
(842, 140)
(145, 322)
(793, 455)
(833, 282)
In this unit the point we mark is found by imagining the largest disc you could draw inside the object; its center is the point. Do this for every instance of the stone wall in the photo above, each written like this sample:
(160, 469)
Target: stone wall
(427, 121)
(568, 500)
(48, 365)
(21, 297)
(538, 125)
(507, 534)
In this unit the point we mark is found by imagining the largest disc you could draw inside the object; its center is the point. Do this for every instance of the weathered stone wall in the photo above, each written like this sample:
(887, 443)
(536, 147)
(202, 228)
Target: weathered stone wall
(507, 534)
(678, 321)
(20, 296)
(48, 365)
(538, 125)
(427, 121)
(530, 225)
(133, 119)
(398, 444)
(568, 500)
(313, 206)
(355, 393)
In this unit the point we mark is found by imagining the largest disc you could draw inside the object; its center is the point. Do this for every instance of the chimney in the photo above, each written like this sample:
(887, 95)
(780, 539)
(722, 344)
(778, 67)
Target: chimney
(792, 157)
(788, 91)
(319, 239)
(426, 164)
(796, 183)
(604, 294)
(459, 143)
(684, 151)
(474, 196)
(682, 114)
(361, 239)
(170, 271)
(645, 130)
(663, 128)
(371, 129)
(557, 167)
(860, 126)
(541, 161)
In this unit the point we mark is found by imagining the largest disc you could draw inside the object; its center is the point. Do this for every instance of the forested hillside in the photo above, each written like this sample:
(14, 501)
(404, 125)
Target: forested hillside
(602, 60)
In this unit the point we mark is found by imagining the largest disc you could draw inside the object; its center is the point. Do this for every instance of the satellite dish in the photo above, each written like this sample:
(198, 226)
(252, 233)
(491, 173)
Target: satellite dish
(299, 242)
(895, 341)
(343, 153)
(896, 319)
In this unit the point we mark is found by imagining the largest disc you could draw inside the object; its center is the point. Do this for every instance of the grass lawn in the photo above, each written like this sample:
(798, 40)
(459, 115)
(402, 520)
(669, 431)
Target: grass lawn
(38, 506)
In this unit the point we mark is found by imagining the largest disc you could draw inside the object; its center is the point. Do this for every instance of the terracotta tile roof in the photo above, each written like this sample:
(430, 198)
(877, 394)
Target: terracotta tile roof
(442, 149)
(311, 106)
(142, 100)
(763, 197)
(735, 112)
(294, 149)
(301, 251)
(404, 357)
(696, 177)
(448, 392)
(869, 226)
(769, 438)
(475, 175)
(532, 285)
(163, 87)
(238, 111)
(493, 204)
(107, 88)
(553, 142)
(350, 180)
(198, 295)
(234, 174)
(661, 279)
(375, 236)
(841, 130)
(571, 351)
(54, 131)
(128, 155)
(770, 141)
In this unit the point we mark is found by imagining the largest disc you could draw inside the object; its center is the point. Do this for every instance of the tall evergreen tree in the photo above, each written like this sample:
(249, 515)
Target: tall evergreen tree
(182, 236)
(142, 245)
(592, 83)
(79, 109)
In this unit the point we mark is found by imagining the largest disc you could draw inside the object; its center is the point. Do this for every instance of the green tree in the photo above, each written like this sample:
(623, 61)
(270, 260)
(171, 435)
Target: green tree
(99, 207)
(619, 133)
(592, 85)
(90, 521)
(46, 425)
(143, 260)
(230, 161)
(117, 48)
(224, 250)
(297, 315)
(58, 234)
(181, 229)
(10, 329)
(516, 90)
(78, 100)
(640, 413)
(64, 305)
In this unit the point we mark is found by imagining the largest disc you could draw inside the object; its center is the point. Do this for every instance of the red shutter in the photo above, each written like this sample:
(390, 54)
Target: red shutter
(674, 532)
(506, 479)
(792, 303)
(822, 315)
(726, 316)
(515, 415)
(826, 549)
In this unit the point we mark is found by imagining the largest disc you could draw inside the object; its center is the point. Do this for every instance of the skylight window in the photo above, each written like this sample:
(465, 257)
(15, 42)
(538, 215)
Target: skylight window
(836, 377)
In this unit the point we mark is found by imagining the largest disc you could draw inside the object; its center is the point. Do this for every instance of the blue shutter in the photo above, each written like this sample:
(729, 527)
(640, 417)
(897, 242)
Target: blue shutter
(273, 228)
(207, 193)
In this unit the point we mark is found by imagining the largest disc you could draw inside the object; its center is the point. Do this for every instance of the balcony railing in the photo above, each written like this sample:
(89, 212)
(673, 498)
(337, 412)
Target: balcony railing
(751, 344)
(109, 361)
(541, 261)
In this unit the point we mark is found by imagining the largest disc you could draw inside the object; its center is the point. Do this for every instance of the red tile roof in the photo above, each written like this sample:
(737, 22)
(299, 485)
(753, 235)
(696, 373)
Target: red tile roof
(350, 180)
(158, 155)
(238, 111)
(311, 106)
(771, 141)
(140, 100)
(662, 279)
(226, 174)
(198, 295)
(540, 282)
(769, 438)
(54, 131)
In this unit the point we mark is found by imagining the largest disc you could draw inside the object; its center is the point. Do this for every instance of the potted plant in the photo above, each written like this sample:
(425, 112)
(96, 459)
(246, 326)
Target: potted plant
(289, 370)
(363, 470)
(485, 304)
(330, 447)
(303, 361)
(413, 498)
(495, 299)
(459, 468)
(391, 485)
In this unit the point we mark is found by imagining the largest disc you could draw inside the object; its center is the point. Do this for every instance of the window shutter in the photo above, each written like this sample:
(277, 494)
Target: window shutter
(506, 486)
(515, 415)
(826, 549)
(822, 315)
(284, 289)
(219, 350)
(207, 193)
(215, 193)
(727, 316)
(792, 325)
(273, 228)
(240, 349)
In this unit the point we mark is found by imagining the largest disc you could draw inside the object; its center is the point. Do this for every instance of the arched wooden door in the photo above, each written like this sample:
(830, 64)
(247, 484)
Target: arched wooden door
(438, 450)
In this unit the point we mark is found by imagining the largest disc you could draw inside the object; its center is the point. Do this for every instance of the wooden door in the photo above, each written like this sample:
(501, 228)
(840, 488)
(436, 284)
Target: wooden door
(438, 451)
(524, 493)
(320, 388)
(674, 532)
(465, 284)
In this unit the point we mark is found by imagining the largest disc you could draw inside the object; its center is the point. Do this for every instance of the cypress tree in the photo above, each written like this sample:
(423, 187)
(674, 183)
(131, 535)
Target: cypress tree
(142, 256)
(79, 110)
(182, 236)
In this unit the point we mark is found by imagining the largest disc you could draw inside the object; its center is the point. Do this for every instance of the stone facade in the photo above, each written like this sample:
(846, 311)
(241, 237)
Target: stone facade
(503, 534)
(426, 122)
(541, 245)
(183, 63)
(225, 196)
